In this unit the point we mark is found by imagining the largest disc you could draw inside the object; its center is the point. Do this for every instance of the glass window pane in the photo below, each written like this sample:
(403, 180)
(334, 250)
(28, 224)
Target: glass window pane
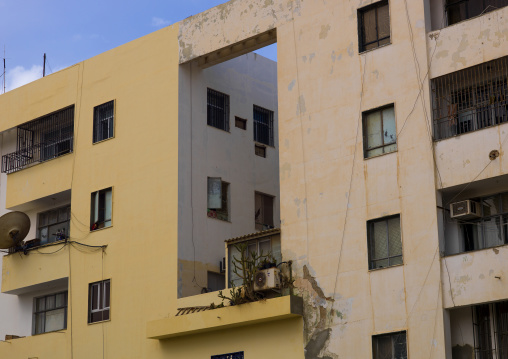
(44, 235)
(39, 323)
(390, 148)
(54, 232)
(374, 135)
(60, 300)
(380, 247)
(105, 314)
(396, 260)
(43, 219)
(394, 240)
(383, 263)
(389, 130)
(376, 152)
(55, 320)
(369, 26)
(383, 21)
(50, 302)
(399, 346)
(106, 294)
(384, 42)
(491, 206)
(384, 347)
(62, 214)
(492, 232)
(94, 289)
(41, 304)
(108, 205)
(265, 247)
(53, 217)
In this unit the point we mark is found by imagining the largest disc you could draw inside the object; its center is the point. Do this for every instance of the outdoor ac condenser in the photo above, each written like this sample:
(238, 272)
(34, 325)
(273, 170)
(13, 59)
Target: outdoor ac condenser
(465, 209)
(267, 279)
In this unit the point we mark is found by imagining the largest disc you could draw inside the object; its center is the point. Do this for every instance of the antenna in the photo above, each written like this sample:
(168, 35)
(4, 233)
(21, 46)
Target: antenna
(44, 66)
(4, 69)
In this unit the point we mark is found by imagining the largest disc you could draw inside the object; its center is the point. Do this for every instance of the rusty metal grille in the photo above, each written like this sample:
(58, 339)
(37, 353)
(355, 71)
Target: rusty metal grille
(237, 355)
(470, 99)
(42, 139)
(218, 109)
(263, 125)
(103, 117)
(482, 332)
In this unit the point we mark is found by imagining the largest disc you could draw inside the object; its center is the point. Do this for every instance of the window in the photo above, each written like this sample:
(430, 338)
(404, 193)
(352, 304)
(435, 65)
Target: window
(237, 355)
(459, 10)
(103, 116)
(215, 281)
(53, 225)
(241, 123)
(100, 214)
(491, 229)
(389, 346)
(379, 131)
(218, 206)
(50, 313)
(470, 99)
(385, 245)
(490, 327)
(263, 211)
(374, 26)
(99, 301)
(260, 151)
(217, 113)
(263, 125)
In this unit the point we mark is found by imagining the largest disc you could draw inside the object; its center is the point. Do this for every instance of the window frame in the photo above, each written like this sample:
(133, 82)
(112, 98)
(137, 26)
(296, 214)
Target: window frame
(47, 225)
(266, 127)
(263, 197)
(211, 116)
(361, 26)
(220, 213)
(110, 122)
(100, 223)
(101, 301)
(393, 336)
(371, 243)
(36, 312)
(384, 145)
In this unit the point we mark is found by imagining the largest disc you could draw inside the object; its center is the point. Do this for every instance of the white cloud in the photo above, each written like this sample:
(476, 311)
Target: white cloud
(158, 22)
(20, 76)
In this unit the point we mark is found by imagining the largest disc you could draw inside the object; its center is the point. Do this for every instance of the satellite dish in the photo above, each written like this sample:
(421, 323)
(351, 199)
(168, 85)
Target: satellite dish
(14, 227)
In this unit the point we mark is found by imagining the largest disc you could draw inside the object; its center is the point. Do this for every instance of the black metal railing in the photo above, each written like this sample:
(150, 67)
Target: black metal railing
(42, 139)
(470, 99)
(263, 125)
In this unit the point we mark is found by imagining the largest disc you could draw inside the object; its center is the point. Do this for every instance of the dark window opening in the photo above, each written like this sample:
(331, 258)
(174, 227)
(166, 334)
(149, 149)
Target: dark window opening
(389, 346)
(54, 225)
(460, 10)
(374, 26)
(263, 125)
(240, 123)
(217, 109)
(103, 117)
(215, 281)
(263, 211)
(470, 99)
(101, 208)
(385, 244)
(99, 301)
(260, 151)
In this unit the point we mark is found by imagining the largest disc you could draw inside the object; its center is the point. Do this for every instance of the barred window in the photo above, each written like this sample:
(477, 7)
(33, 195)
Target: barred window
(384, 240)
(389, 346)
(99, 301)
(263, 125)
(374, 26)
(103, 117)
(50, 313)
(217, 109)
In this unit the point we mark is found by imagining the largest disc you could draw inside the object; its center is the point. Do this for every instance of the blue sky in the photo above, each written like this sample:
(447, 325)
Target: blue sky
(70, 31)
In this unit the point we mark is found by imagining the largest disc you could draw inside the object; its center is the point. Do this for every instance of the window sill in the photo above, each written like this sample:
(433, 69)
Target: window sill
(379, 47)
(264, 144)
(100, 229)
(220, 220)
(101, 141)
(220, 129)
(392, 266)
(381, 155)
(53, 331)
(101, 321)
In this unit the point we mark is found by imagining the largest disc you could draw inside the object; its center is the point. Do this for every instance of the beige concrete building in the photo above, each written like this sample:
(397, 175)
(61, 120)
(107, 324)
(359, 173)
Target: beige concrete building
(392, 125)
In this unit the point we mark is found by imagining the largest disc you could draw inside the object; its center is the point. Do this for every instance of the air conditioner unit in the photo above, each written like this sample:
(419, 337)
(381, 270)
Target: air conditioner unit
(267, 279)
(465, 209)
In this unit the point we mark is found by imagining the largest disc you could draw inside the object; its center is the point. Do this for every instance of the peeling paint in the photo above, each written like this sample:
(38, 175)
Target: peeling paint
(350, 50)
(300, 106)
(495, 250)
(291, 85)
(456, 56)
(311, 56)
(324, 31)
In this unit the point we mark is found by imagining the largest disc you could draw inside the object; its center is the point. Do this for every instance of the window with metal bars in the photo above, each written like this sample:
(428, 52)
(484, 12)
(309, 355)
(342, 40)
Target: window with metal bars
(99, 301)
(41, 140)
(470, 99)
(384, 241)
(374, 26)
(263, 125)
(460, 10)
(217, 113)
(389, 346)
(237, 355)
(103, 121)
(379, 131)
(50, 313)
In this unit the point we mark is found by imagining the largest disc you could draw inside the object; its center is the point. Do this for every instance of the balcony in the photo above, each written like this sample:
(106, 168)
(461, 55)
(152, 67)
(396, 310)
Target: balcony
(41, 140)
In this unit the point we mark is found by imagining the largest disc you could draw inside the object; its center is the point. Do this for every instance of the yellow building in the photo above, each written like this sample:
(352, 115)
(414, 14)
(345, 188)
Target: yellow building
(392, 125)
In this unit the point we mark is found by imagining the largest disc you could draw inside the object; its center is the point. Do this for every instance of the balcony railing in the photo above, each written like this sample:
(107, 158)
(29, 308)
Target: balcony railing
(470, 99)
(41, 140)
(460, 10)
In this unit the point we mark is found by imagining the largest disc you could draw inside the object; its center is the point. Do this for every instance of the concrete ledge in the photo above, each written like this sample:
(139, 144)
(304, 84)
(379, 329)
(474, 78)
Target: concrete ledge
(225, 318)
